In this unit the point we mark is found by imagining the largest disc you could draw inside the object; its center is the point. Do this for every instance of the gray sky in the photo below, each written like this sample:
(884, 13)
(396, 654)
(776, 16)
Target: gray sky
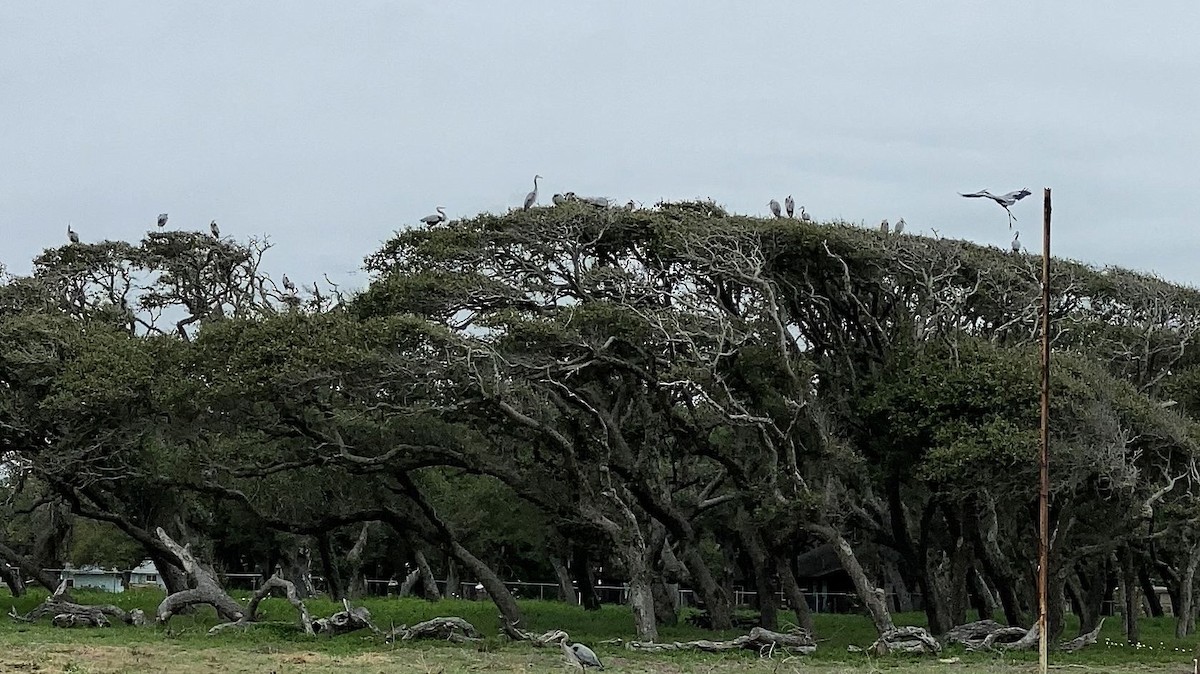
(328, 125)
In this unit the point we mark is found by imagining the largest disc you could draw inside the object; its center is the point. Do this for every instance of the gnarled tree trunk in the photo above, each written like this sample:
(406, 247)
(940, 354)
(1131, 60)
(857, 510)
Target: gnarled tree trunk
(566, 591)
(871, 596)
(1185, 614)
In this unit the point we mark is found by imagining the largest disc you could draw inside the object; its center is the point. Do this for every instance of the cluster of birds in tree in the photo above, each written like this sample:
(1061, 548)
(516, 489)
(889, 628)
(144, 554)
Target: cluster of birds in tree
(288, 285)
(789, 205)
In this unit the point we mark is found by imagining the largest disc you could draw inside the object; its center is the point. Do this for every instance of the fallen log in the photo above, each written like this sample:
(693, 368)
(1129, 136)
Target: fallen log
(443, 629)
(905, 640)
(1082, 640)
(64, 612)
(251, 616)
(517, 634)
(347, 620)
(766, 642)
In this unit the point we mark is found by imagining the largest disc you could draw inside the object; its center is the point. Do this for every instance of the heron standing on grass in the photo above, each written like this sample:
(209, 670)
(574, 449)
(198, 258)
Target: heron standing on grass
(436, 218)
(775, 210)
(531, 198)
(1005, 200)
(789, 205)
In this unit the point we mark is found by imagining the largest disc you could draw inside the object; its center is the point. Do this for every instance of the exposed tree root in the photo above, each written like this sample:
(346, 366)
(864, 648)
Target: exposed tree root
(251, 617)
(905, 640)
(443, 629)
(766, 642)
(350, 619)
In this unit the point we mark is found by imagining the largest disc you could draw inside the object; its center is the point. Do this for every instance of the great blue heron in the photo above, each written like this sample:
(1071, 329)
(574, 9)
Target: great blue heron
(883, 226)
(162, 220)
(216, 231)
(900, 226)
(1005, 200)
(558, 199)
(775, 208)
(804, 216)
(71, 234)
(1016, 243)
(436, 218)
(288, 285)
(531, 198)
(789, 205)
(587, 657)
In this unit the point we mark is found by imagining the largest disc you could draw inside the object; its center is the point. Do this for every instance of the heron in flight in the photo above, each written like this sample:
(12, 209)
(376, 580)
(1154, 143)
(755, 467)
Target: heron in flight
(531, 198)
(71, 234)
(883, 226)
(436, 218)
(900, 226)
(216, 231)
(288, 285)
(1005, 200)
(775, 208)
(162, 220)
(790, 205)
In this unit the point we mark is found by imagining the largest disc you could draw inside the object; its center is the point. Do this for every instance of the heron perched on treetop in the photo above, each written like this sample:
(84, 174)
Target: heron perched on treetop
(804, 216)
(436, 218)
(558, 199)
(883, 226)
(790, 205)
(900, 226)
(162, 220)
(1005, 200)
(531, 198)
(1016, 244)
(216, 231)
(71, 234)
(775, 208)
(288, 285)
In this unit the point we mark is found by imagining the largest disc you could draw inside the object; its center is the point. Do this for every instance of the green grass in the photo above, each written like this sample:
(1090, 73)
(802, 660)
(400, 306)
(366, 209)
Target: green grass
(185, 639)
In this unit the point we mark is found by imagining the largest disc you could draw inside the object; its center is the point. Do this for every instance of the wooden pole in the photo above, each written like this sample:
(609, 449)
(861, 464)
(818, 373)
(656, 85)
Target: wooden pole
(1044, 459)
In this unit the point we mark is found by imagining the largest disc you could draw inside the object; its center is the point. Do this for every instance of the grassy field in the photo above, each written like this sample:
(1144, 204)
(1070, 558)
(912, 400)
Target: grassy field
(184, 647)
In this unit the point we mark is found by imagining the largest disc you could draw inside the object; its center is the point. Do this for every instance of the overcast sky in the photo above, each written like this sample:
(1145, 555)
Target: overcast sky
(329, 125)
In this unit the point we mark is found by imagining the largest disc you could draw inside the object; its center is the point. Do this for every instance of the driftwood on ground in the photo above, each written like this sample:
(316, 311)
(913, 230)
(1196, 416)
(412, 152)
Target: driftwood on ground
(983, 635)
(349, 619)
(205, 588)
(251, 616)
(795, 640)
(905, 640)
(450, 628)
(517, 634)
(64, 612)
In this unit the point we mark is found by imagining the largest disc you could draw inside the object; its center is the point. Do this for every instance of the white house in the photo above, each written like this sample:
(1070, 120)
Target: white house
(112, 580)
(146, 574)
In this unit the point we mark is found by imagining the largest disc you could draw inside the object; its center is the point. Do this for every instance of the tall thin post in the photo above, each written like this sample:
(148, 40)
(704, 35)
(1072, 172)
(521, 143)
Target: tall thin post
(1044, 459)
